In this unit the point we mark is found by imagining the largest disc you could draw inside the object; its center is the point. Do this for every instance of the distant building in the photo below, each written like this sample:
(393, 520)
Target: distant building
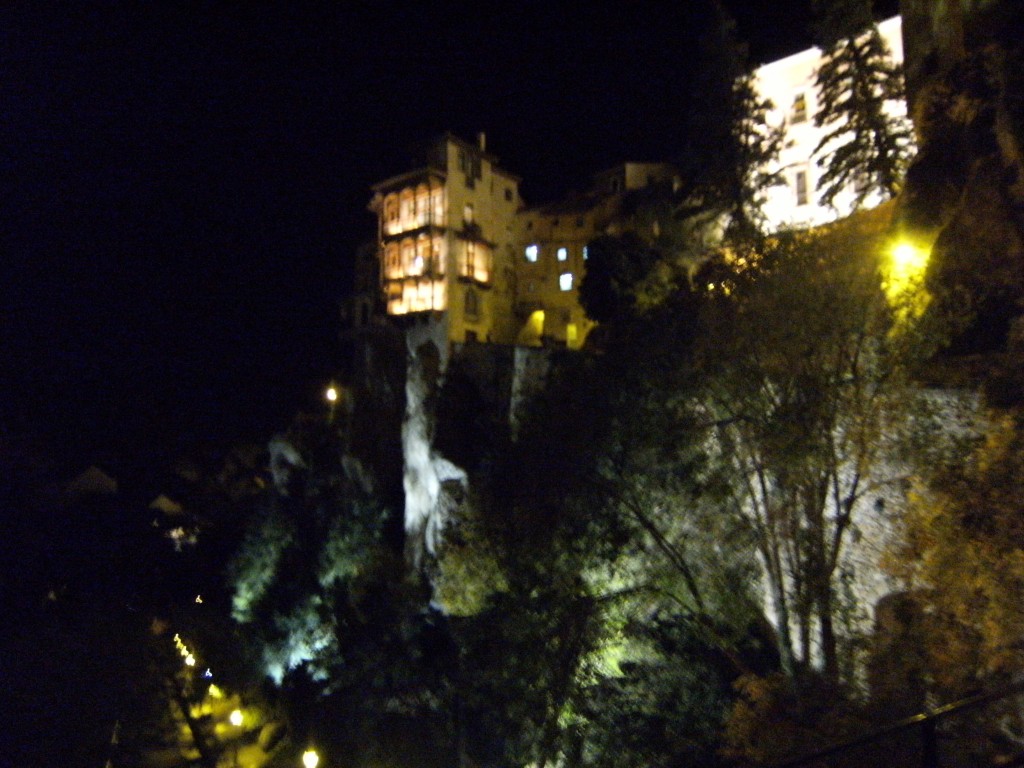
(445, 233)
(552, 251)
(789, 84)
(457, 246)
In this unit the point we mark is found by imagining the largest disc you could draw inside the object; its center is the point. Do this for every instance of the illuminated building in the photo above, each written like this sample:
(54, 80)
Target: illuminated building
(445, 241)
(551, 255)
(457, 246)
(789, 84)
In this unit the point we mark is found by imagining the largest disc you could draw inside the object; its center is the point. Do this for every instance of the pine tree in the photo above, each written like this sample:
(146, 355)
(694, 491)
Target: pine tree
(729, 144)
(756, 147)
(866, 146)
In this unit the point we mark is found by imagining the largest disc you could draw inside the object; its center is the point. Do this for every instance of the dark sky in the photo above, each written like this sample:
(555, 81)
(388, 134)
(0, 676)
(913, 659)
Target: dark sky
(182, 185)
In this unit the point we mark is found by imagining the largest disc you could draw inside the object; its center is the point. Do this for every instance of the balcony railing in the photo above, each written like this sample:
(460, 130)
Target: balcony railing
(918, 734)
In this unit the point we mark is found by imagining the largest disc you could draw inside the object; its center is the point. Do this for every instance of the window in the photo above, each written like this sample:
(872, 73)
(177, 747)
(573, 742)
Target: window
(532, 253)
(801, 187)
(508, 193)
(565, 281)
(392, 262)
(584, 253)
(469, 164)
(472, 304)
(563, 254)
(408, 209)
(391, 209)
(799, 112)
(467, 214)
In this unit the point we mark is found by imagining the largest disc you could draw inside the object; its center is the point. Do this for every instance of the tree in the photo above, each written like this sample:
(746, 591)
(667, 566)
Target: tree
(616, 270)
(804, 404)
(729, 144)
(866, 146)
(961, 554)
(756, 146)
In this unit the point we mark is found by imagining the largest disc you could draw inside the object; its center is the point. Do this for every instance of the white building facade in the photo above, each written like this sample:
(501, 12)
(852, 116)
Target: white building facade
(790, 85)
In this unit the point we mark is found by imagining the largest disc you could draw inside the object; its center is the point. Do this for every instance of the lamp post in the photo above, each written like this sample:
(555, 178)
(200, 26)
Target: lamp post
(235, 718)
(331, 395)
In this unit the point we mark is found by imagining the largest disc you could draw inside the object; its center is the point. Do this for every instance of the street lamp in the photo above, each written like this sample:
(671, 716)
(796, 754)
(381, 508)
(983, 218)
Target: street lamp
(310, 758)
(331, 395)
(235, 718)
(905, 269)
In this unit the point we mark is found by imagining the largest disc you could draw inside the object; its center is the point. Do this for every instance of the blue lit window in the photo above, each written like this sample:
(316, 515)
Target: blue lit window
(563, 254)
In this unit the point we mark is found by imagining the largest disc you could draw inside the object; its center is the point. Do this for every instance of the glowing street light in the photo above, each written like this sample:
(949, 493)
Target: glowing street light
(331, 395)
(906, 267)
(310, 758)
(235, 718)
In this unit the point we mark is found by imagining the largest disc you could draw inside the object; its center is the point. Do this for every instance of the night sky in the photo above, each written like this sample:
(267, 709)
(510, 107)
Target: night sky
(182, 186)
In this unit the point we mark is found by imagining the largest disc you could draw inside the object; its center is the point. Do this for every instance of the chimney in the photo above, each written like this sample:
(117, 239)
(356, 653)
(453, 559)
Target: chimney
(481, 141)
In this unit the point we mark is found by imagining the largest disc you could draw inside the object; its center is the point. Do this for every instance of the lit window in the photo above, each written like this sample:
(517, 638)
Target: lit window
(584, 253)
(563, 254)
(467, 213)
(532, 253)
(799, 112)
(565, 281)
(801, 187)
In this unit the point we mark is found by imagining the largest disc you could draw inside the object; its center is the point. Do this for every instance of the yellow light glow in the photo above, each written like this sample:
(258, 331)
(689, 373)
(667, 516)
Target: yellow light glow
(190, 660)
(331, 394)
(215, 692)
(199, 598)
(310, 758)
(530, 335)
(906, 267)
(235, 717)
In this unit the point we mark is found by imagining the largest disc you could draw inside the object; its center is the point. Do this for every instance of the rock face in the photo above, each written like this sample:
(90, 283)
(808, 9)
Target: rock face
(461, 404)
(965, 190)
